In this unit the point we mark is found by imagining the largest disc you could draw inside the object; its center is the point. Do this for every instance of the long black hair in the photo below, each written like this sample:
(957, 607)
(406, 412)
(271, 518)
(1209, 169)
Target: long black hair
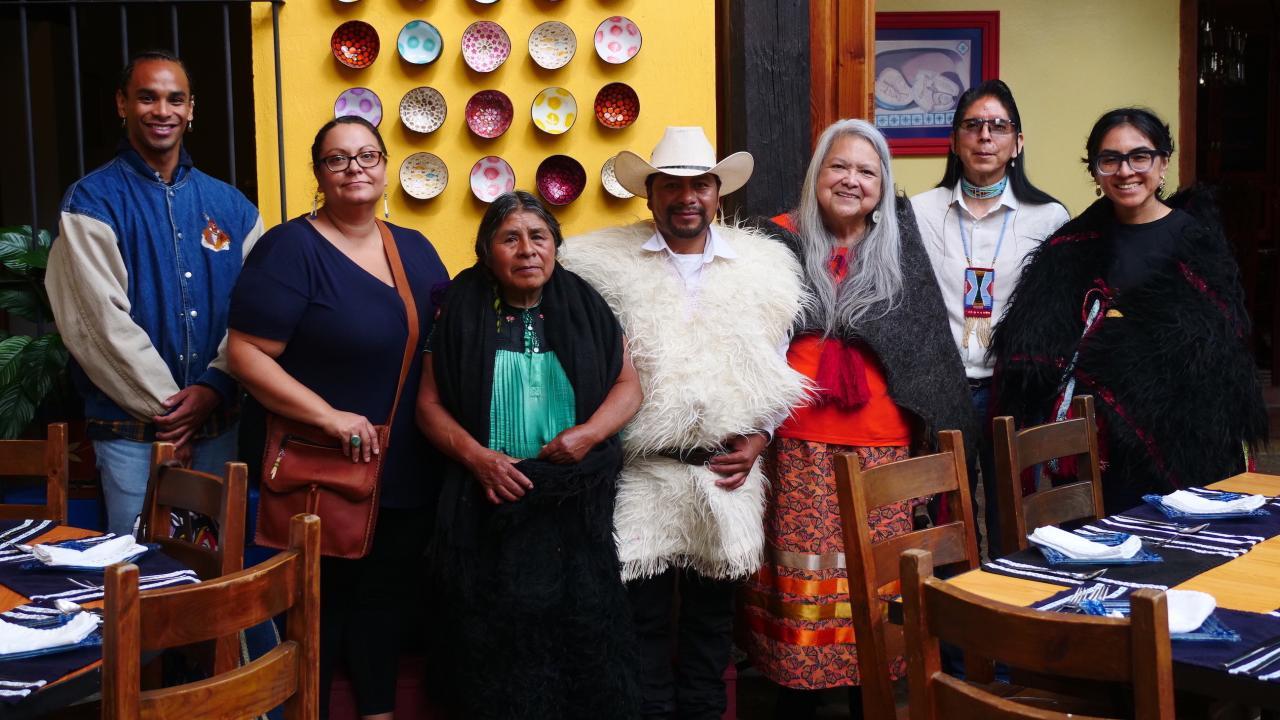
(1015, 171)
(503, 207)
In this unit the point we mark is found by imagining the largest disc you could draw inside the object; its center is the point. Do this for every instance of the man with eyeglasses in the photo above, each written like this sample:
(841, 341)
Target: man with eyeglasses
(139, 278)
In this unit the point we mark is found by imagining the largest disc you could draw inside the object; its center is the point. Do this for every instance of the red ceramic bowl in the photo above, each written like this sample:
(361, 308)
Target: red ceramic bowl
(489, 113)
(560, 179)
(617, 105)
(355, 44)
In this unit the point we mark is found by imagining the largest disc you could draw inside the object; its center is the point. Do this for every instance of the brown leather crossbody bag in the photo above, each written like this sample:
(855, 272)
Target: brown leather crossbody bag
(305, 471)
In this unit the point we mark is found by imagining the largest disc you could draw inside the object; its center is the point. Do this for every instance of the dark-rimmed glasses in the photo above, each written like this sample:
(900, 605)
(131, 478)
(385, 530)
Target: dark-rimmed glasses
(340, 163)
(1140, 161)
(997, 126)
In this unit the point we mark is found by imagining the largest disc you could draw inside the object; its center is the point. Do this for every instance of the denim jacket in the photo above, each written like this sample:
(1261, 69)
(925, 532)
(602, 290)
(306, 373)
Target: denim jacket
(140, 279)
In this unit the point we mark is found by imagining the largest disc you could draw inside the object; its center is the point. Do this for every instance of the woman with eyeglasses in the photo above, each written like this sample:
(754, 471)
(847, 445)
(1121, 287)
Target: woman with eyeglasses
(317, 334)
(1138, 303)
(979, 225)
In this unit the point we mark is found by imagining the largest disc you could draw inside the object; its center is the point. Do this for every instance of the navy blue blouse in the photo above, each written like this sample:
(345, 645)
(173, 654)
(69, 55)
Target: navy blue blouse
(345, 332)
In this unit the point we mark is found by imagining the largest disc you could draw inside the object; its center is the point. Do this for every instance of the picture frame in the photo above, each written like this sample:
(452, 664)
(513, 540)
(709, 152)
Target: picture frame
(923, 62)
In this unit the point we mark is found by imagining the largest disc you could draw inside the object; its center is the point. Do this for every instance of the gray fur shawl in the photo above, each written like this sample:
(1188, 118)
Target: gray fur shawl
(912, 341)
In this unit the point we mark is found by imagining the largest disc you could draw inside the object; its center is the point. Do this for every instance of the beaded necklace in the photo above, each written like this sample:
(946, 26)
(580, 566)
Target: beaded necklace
(986, 192)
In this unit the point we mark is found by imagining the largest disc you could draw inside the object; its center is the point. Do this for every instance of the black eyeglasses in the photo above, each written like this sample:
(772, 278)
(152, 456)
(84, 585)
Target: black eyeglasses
(340, 163)
(997, 126)
(1140, 161)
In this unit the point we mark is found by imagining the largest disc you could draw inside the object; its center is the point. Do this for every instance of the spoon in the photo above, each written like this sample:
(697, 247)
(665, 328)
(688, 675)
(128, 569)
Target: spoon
(1182, 531)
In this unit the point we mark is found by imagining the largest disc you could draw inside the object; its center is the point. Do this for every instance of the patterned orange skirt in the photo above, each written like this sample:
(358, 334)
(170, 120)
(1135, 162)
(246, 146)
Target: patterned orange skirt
(797, 626)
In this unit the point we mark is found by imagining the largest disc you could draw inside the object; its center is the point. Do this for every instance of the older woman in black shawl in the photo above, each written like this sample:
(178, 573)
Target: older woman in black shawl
(526, 384)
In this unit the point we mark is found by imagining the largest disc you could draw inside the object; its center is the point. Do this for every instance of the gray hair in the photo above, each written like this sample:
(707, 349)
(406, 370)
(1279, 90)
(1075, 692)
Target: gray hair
(874, 281)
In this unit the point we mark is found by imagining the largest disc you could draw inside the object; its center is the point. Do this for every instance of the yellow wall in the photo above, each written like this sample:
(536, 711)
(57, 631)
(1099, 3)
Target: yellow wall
(1067, 63)
(674, 75)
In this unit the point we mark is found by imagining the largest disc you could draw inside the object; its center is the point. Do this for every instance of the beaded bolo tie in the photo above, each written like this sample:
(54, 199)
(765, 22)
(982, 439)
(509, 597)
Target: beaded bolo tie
(980, 282)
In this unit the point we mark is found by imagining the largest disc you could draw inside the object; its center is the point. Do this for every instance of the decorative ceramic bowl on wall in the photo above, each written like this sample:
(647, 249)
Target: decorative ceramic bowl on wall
(419, 42)
(423, 175)
(485, 46)
(355, 44)
(617, 40)
(423, 109)
(610, 181)
(560, 179)
(617, 105)
(490, 177)
(360, 102)
(489, 113)
(552, 44)
(554, 110)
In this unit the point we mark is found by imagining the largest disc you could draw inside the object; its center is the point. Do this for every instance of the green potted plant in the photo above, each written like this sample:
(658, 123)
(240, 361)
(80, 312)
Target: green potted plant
(33, 367)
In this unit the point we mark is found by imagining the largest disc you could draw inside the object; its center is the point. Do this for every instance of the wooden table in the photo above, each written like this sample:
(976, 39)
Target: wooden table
(1250, 582)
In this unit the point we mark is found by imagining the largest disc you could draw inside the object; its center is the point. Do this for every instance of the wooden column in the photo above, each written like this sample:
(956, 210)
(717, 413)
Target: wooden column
(841, 61)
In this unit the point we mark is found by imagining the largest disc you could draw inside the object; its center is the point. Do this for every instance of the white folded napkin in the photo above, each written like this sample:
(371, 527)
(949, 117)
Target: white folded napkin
(16, 638)
(101, 555)
(1078, 548)
(1189, 502)
(1188, 609)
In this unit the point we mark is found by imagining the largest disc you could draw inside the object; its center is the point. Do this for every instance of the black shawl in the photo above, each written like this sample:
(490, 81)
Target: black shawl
(530, 589)
(912, 341)
(1168, 364)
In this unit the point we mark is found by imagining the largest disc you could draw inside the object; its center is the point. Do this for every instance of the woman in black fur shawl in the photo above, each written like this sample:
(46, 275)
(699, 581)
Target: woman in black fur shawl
(524, 389)
(1138, 303)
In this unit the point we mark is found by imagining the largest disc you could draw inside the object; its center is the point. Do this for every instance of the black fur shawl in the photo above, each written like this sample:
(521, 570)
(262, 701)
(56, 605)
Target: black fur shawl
(1168, 364)
(912, 341)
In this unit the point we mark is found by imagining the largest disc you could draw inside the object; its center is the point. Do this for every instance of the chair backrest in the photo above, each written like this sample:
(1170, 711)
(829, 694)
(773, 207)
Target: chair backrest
(1017, 451)
(1133, 651)
(49, 459)
(872, 566)
(138, 622)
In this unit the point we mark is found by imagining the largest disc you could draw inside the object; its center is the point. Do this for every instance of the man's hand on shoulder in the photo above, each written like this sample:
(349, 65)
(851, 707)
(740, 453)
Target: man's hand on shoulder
(188, 409)
(740, 458)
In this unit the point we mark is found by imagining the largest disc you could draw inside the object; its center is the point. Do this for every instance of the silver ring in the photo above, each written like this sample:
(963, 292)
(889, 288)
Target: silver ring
(355, 441)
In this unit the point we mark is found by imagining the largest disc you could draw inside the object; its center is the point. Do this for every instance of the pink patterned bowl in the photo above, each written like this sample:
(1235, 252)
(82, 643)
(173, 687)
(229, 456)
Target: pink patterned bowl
(490, 177)
(485, 46)
(618, 40)
(489, 113)
(560, 179)
(360, 102)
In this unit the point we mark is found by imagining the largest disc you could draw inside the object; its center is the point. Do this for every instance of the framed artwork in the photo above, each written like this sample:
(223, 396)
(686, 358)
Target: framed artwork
(924, 61)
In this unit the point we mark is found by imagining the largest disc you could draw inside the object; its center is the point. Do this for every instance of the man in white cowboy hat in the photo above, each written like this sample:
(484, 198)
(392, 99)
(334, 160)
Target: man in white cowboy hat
(707, 309)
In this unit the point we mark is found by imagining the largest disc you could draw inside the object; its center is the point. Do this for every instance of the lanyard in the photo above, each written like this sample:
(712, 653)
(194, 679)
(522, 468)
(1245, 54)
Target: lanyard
(964, 241)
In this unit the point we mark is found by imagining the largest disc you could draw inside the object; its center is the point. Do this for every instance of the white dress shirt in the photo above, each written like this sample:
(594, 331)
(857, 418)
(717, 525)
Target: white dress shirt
(939, 213)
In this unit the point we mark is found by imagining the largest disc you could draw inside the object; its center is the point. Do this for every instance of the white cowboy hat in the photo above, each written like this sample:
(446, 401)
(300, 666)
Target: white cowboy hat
(684, 152)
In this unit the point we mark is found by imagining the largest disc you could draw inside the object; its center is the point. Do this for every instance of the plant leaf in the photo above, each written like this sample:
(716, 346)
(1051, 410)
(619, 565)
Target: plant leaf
(25, 303)
(43, 361)
(15, 243)
(16, 411)
(11, 359)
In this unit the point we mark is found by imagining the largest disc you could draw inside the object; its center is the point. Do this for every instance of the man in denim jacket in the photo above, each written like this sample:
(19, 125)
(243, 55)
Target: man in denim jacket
(140, 277)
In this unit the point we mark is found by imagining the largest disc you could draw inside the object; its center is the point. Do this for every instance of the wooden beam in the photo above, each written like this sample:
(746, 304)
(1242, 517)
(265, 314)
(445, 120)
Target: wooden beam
(841, 61)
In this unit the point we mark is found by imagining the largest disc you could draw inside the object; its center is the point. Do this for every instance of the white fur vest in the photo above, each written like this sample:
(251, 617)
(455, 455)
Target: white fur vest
(710, 367)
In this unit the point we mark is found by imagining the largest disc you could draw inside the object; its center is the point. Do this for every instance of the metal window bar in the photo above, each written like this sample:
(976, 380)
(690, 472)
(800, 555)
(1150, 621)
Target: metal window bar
(123, 5)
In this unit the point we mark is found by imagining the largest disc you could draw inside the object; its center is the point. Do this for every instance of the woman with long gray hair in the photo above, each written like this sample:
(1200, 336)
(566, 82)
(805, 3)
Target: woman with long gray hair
(876, 344)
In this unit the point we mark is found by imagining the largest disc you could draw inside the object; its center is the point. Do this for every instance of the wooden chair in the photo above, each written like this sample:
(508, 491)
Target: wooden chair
(222, 499)
(1017, 451)
(138, 622)
(1086, 649)
(48, 458)
(872, 566)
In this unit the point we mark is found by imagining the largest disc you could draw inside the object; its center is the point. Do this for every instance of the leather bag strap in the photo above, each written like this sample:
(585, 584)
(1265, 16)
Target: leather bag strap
(410, 310)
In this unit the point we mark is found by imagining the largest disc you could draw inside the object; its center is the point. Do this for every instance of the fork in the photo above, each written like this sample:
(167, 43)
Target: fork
(1181, 532)
(1075, 602)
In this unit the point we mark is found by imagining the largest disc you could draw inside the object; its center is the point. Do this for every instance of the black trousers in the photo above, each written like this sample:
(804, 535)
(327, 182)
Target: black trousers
(693, 687)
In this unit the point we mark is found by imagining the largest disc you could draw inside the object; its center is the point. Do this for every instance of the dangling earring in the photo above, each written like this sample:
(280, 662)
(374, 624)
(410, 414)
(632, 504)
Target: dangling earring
(315, 205)
(875, 217)
(1160, 187)
(1097, 189)
(122, 121)
(1013, 162)
(191, 126)
(386, 206)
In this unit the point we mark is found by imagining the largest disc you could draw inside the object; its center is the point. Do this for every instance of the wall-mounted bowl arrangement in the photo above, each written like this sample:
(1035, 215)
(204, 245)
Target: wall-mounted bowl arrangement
(617, 105)
(423, 175)
(419, 42)
(560, 179)
(423, 109)
(610, 181)
(554, 110)
(485, 46)
(355, 44)
(552, 44)
(618, 40)
(360, 102)
(489, 113)
(490, 177)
